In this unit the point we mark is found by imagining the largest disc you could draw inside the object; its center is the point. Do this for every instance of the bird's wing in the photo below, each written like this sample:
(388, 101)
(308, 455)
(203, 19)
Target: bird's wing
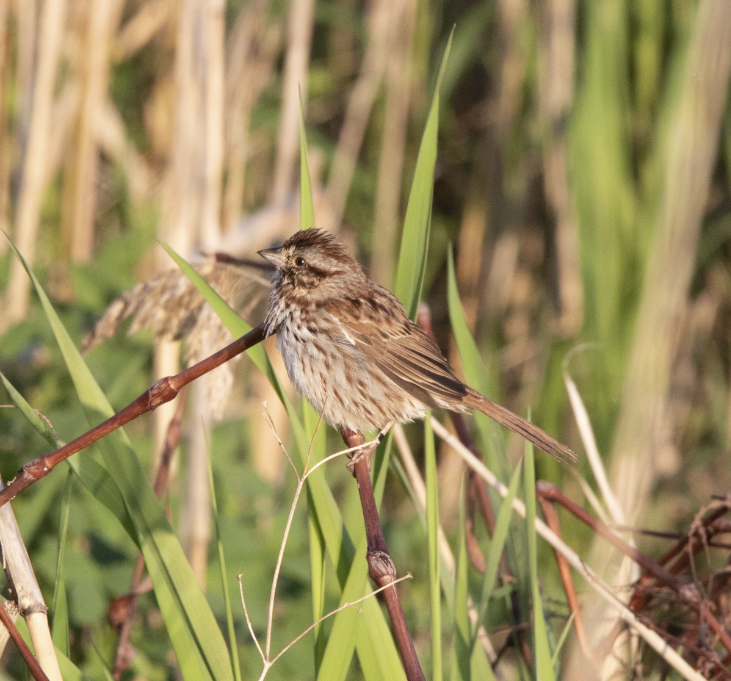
(401, 350)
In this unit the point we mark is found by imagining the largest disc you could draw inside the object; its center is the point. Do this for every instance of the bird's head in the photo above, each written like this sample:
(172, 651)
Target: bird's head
(313, 263)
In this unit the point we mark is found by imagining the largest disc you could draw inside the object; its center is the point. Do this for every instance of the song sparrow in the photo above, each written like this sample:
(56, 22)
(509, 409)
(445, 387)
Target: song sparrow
(351, 350)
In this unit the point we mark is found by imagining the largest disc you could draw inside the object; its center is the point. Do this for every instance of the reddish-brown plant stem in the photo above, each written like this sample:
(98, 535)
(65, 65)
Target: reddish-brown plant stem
(160, 392)
(124, 655)
(23, 648)
(380, 566)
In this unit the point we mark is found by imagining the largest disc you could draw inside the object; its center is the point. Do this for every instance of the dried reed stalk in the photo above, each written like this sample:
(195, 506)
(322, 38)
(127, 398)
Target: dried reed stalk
(299, 39)
(253, 47)
(17, 294)
(79, 191)
(5, 141)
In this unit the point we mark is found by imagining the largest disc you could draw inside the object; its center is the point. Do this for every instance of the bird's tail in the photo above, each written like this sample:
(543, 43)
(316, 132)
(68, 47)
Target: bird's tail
(517, 424)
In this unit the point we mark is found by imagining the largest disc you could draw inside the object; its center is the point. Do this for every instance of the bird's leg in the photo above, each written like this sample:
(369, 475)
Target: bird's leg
(367, 449)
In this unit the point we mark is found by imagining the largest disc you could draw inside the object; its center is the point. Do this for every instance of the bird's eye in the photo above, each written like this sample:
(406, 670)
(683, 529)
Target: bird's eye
(300, 261)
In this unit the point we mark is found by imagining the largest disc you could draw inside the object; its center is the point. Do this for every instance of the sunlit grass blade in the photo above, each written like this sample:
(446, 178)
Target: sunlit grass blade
(60, 626)
(186, 612)
(318, 564)
(542, 662)
(432, 515)
(461, 652)
(415, 236)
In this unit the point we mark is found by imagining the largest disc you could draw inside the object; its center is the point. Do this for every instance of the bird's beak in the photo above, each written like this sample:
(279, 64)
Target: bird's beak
(274, 256)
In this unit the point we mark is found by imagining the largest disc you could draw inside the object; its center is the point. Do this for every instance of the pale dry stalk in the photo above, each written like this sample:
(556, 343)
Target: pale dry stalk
(300, 24)
(17, 294)
(653, 639)
(79, 191)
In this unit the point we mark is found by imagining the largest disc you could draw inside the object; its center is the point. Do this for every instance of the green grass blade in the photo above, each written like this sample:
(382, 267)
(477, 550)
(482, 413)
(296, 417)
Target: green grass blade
(562, 639)
(307, 209)
(186, 612)
(492, 439)
(542, 662)
(233, 647)
(318, 564)
(415, 237)
(432, 514)
(60, 626)
(497, 544)
(462, 649)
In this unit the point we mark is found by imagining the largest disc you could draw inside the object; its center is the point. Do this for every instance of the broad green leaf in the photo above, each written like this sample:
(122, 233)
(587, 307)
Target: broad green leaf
(92, 474)
(415, 237)
(186, 612)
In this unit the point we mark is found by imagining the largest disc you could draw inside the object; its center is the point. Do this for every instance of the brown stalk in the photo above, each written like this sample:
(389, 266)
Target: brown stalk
(380, 566)
(25, 652)
(162, 391)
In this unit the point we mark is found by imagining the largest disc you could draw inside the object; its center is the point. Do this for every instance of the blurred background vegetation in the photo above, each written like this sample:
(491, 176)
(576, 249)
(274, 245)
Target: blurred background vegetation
(582, 177)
